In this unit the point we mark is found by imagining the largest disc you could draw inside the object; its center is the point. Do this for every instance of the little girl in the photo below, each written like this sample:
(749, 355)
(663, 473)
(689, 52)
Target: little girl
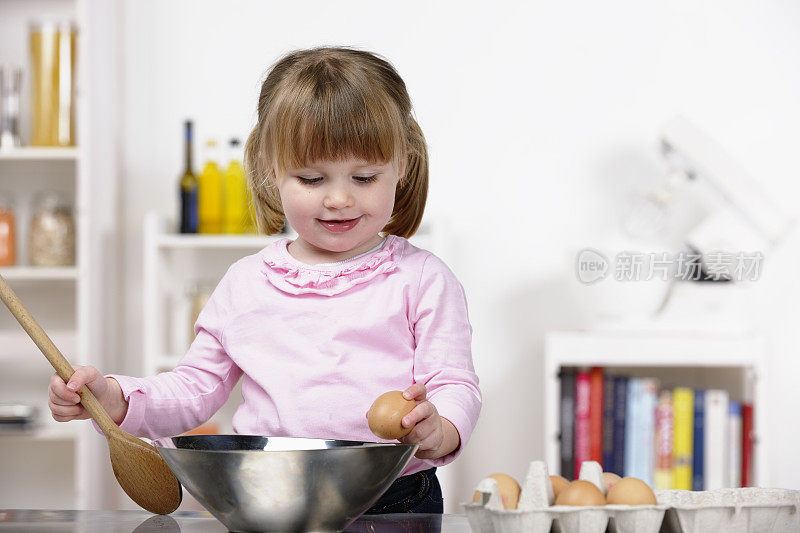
(320, 326)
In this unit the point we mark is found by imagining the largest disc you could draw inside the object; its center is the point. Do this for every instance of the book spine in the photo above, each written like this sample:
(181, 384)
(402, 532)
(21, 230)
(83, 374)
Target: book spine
(632, 429)
(747, 446)
(647, 428)
(663, 444)
(608, 423)
(683, 428)
(596, 414)
(582, 401)
(620, 410)
(735, 444)
(715, 455)
(567, 422)
(698, 459)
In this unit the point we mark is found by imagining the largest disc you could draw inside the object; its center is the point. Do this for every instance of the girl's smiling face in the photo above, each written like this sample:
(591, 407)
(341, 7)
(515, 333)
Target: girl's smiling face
(337, 208)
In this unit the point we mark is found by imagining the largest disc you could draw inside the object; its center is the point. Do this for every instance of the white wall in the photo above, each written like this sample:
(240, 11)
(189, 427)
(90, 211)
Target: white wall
(541, 119)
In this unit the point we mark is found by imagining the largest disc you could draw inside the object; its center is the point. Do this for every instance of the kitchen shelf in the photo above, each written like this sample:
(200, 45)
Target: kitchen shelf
(17, 345)
(26, 273)
(171, 263)
(35, 153)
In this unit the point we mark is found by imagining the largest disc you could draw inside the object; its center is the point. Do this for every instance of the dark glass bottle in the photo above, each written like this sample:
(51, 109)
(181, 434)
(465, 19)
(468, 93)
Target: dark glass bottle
(188, 189)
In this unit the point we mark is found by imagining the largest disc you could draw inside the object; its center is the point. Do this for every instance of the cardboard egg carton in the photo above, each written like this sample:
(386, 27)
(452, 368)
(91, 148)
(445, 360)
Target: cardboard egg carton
(748, 510)
(537, 514)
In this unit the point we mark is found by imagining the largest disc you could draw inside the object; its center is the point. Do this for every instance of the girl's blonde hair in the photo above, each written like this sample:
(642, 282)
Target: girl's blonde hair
(333, 103)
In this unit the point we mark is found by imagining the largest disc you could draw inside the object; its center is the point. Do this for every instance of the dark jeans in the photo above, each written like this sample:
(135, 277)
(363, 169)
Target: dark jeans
(415, 493)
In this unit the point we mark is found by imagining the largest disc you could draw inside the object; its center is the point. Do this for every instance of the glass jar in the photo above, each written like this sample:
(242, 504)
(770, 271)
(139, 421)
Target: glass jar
(7, 232)
(52, 232)
(199, 293)
(53, 81)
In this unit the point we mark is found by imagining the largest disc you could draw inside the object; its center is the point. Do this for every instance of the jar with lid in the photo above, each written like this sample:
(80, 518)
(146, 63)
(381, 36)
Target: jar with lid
(52, 231)
(7, 231)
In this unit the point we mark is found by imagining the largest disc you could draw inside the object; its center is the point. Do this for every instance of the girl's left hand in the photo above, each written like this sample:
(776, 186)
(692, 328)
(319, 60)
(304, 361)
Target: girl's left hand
(428, 433)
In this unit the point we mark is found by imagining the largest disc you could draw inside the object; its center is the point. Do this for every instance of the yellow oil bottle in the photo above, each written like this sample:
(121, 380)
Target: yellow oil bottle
(210, 195)
(236, 197)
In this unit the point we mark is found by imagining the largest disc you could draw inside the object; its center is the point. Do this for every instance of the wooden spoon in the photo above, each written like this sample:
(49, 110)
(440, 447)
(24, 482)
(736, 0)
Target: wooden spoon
(140, 470)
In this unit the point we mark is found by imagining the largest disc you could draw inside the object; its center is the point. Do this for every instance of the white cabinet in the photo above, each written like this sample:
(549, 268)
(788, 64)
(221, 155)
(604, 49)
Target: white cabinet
(730, 362)
(56, 465)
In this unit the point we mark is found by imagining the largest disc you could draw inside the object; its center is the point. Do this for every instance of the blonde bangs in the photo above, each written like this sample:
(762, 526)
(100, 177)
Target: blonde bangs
(334, 120)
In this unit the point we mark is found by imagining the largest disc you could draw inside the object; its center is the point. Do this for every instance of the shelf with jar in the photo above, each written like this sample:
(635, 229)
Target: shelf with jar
(41, 95)
(47, 253)
(42, 245)
(180, 271)
(38, 105)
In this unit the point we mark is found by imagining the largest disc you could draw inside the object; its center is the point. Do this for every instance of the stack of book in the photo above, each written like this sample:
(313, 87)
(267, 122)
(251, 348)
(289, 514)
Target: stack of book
(679, 438)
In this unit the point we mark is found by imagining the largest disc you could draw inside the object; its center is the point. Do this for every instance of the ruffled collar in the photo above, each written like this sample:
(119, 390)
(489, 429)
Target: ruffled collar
(294, 277)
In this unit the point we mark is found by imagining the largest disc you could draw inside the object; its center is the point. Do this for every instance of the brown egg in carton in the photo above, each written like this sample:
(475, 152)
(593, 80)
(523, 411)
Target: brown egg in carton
(674, 511)
(537, 511)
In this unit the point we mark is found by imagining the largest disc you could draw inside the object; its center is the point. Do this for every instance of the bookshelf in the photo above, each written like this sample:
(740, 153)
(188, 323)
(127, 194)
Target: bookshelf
(729, 362)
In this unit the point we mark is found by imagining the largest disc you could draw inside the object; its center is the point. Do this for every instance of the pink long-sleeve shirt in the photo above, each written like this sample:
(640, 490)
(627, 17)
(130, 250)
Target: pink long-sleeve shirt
(315, 345)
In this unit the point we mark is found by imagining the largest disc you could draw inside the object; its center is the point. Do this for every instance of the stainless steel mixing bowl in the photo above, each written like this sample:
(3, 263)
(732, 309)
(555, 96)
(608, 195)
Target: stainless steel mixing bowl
(253, 483)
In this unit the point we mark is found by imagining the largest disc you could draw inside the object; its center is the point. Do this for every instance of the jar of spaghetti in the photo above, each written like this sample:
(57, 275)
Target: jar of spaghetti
(8, 256)
(52, 232)
(53, 82)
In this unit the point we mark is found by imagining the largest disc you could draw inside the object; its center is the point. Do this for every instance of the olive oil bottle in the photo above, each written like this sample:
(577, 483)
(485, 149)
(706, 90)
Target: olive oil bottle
(210, 191)
(188, 189)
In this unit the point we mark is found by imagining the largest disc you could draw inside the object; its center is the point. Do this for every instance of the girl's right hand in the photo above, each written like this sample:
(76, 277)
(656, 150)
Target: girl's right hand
(64, 402)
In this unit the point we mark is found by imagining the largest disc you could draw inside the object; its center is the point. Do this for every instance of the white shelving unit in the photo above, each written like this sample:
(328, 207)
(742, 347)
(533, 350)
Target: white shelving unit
(55, 296)
(53, 465)
(695, 360)
(173, 262)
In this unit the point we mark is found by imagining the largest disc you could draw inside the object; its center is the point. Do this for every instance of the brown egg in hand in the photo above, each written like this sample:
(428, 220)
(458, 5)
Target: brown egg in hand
(386, 415)
(559, 483)
(581, 493)
(631, 491)
(508, 488)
